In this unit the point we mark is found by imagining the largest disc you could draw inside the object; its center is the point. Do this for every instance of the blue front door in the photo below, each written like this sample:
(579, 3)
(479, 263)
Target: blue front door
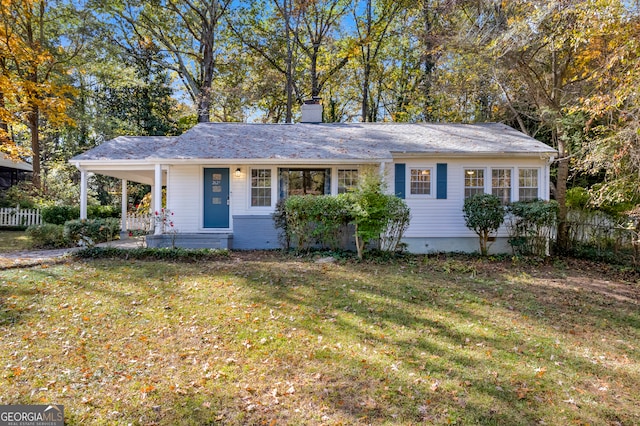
(216, 198)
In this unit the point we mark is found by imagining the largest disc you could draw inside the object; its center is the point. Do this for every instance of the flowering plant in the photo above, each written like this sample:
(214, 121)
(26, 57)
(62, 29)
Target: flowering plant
(164, 218)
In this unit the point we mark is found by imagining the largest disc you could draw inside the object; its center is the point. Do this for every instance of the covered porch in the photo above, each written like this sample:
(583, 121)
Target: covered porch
(154, 175)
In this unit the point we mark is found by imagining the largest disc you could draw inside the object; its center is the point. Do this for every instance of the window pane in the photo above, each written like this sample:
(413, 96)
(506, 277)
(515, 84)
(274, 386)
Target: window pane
(473, 182)
(501, 184)
(528, 184)
(420, 182)
(304, 182)
(347, 180)
(260, 187)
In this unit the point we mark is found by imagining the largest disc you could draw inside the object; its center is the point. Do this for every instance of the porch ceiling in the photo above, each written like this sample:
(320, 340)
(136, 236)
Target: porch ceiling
(143, 176)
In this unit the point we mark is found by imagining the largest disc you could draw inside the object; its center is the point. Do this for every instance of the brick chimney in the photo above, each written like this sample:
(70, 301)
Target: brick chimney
(312, 111)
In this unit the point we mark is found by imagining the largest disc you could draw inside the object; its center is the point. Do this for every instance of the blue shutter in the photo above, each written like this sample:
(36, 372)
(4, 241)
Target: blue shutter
(401, 180)
(441, 181)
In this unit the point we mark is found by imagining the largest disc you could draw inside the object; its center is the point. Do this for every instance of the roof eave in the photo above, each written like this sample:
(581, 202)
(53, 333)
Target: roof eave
(467, 154)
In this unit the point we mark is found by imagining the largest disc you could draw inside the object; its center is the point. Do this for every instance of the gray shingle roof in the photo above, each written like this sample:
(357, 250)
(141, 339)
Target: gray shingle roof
(127, 148)
(364, 141)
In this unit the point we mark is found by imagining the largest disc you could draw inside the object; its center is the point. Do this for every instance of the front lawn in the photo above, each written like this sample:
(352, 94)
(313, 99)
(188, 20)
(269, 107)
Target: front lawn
(13, 241)
(263, 338)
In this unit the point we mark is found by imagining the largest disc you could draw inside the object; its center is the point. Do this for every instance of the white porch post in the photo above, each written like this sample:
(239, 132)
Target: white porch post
(157, 195)
(83, 194)
(124, 204)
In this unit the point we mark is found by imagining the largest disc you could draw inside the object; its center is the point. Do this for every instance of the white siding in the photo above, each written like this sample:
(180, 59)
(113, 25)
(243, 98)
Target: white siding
(431, 217)
(184, 197)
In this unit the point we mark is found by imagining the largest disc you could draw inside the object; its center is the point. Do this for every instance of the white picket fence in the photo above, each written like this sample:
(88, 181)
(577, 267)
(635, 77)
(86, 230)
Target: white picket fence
(15, 216)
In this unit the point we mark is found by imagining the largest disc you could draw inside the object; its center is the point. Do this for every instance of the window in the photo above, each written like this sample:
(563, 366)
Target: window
(260, 187)
(473, 182)
(528, 184)
(420, 182)
(304, 182)
(501, 184)
(347, 180)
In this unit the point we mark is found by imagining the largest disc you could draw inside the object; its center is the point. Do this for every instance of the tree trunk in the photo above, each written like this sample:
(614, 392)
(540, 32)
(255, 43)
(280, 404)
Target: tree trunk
(289, 67)
(35, 146)
(3, 125)
(428, 60)
(562, 239)
(366, 57)
(315, 87)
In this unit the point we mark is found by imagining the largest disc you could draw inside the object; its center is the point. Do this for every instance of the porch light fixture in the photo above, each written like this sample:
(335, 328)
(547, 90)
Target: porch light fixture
(238, 171)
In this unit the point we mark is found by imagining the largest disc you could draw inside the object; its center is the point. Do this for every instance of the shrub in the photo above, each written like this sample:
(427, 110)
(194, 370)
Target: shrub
(315, 220)
(58, 215)
(141, 253)
(398, 216)
(97, 211)
(89, 232)
(280, 222)
(578, 198)
(377, 217)
(483, 214)
(22, 194)
(530, 226)
(47, 236)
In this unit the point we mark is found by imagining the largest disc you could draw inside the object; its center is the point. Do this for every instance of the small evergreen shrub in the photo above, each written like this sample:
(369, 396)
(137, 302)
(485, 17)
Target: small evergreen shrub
(58, 215)
(89, 232)
(483, 214)
(316, 220)
(97, 211)
(47, 236)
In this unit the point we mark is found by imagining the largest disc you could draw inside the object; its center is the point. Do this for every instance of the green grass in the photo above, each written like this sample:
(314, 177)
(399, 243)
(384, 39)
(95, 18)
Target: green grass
(262, 338)
(13, 241)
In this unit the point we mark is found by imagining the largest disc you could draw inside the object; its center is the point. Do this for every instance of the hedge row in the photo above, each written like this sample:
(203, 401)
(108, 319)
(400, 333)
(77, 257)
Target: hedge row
(59, 215)
(74, 232)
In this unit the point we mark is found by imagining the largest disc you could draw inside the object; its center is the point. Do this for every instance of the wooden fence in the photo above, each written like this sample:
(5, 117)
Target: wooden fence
(15, 216)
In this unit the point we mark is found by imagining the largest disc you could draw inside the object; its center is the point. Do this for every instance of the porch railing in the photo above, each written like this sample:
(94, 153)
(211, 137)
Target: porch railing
(139, 222)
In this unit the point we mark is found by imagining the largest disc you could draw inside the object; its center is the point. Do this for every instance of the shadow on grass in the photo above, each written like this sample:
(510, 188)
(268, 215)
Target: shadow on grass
(365, 309)
(403, 343)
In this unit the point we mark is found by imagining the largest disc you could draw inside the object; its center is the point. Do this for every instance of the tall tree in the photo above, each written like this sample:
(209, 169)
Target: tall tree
(612, 146)
(372, 24)
(188, 31)
(545, 53)
(33, 64)
(320, 21)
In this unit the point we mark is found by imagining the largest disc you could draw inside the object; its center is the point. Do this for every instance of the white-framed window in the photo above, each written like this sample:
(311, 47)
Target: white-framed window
(528, 184)
(347, 180)
(501, 184)
(303, 181)
(473, 182)
(260, 187)
(420, 181)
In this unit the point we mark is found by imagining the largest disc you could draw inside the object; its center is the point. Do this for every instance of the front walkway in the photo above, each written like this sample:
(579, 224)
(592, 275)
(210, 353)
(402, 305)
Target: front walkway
(35, 257)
